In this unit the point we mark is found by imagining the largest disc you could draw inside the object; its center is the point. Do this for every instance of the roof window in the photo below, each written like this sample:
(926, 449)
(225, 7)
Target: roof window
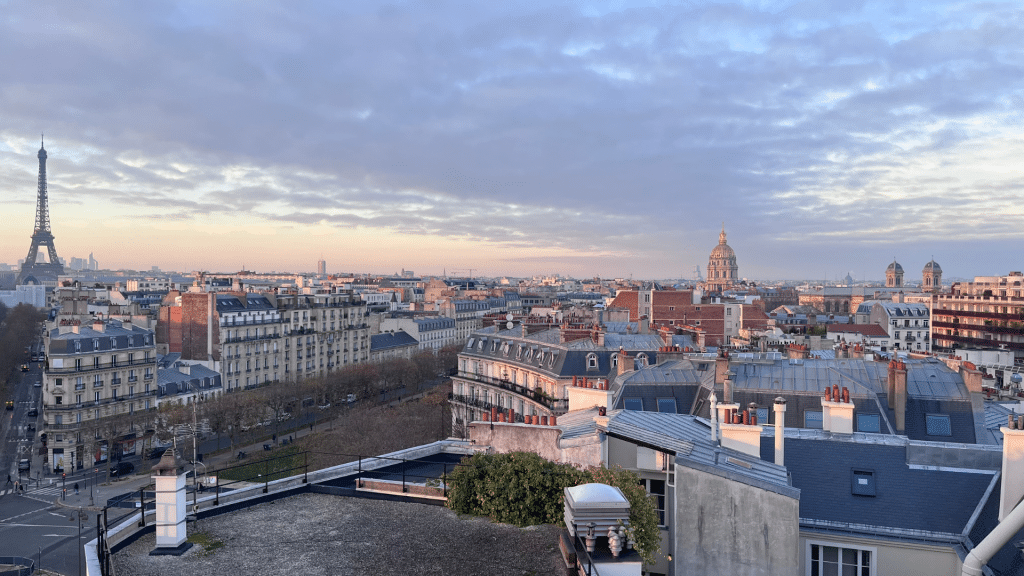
(937, 425)
(634, 404)
(862, 482)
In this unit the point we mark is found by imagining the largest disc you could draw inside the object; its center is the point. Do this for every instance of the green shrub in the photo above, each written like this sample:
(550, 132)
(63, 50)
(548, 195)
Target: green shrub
(523, 489)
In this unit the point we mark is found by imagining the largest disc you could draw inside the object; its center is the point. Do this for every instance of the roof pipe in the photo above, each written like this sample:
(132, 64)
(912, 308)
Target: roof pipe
(996, 539)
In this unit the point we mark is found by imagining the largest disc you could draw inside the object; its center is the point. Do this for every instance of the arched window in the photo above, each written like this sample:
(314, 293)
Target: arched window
(591, 361)
(641, 359)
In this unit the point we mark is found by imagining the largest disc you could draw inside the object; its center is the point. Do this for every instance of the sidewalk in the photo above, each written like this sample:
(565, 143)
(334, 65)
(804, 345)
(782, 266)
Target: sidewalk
(143, 475)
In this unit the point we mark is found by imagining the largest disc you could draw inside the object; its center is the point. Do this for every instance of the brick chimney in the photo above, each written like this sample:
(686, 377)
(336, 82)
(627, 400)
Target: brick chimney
(624, 363)
(797, 352)
(972, 377)
(722, 368)
(900, 393)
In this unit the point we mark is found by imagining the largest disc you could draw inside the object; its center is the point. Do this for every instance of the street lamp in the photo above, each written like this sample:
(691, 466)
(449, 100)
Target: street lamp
(80, 515)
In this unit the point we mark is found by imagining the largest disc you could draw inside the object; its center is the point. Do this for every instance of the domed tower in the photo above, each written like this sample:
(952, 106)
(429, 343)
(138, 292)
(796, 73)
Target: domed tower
(722, 269)
(894, 275)
(931, 277)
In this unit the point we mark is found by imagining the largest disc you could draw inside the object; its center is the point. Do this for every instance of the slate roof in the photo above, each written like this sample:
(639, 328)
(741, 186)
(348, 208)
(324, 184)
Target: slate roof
(861, 329)
(906, 504)
(95, 341)
(689, 439)
(171, 381)
(389, 340)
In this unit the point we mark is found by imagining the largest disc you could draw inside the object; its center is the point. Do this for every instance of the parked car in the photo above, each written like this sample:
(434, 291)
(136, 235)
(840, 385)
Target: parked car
(156, 453)
(122, 469)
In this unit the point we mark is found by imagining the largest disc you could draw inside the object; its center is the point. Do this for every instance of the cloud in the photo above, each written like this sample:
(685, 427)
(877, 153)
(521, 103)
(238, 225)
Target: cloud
(619, 128)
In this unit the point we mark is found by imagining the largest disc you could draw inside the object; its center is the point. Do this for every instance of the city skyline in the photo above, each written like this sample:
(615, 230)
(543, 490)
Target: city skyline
(609, 139)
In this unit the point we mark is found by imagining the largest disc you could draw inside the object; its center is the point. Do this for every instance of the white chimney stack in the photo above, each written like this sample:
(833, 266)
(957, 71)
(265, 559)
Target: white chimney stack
(780, 424)
(1012, 485)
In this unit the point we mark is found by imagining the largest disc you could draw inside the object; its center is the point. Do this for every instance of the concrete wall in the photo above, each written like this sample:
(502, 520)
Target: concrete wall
(542, 440)
(890, 557)
(728, 527)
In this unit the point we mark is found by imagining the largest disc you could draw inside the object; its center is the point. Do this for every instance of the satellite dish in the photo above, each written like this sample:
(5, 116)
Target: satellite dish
(509, 317)
(509, 325)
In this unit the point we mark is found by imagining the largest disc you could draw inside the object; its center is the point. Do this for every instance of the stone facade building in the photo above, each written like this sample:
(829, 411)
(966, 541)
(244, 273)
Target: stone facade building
(722, 269)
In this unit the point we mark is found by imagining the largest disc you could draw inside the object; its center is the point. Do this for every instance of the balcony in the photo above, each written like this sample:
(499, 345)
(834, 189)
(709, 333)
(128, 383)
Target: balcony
(481, 404)
(943, 341)
(97, 367)
(557, 406)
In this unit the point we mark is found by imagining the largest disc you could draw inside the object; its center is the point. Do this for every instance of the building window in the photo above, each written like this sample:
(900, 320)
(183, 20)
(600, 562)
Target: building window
(591, 361)
(634, 404)
(641, 359)
(868, 423)
(762, 416)
(825, 559)
(667, 405)
(938, 425)
(813, 419)
(656, 489)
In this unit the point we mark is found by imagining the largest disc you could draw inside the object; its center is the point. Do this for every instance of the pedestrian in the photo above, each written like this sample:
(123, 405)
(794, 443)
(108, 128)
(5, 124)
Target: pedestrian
(310, 426)
(76, 488)
(8, 478)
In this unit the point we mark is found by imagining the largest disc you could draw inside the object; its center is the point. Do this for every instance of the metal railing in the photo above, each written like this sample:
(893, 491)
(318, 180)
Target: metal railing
(554, 404)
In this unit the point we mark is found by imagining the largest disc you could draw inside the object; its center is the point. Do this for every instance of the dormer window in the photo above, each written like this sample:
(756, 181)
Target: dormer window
(591, 361)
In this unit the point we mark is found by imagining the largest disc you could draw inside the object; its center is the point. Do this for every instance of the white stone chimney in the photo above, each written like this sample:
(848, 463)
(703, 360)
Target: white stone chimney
(743, 435)
(1012, 484)
(170, 507)
(837, 411)
(780, 424)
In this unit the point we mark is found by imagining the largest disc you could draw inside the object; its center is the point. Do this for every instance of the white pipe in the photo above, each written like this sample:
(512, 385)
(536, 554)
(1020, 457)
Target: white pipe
(714, 417)
(780, 422)
(992, 543)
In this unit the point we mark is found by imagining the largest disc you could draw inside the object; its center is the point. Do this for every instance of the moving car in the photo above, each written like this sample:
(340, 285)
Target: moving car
(24, 367)
(10, 404)
(24, 464)
(33, 413)
(122, 469)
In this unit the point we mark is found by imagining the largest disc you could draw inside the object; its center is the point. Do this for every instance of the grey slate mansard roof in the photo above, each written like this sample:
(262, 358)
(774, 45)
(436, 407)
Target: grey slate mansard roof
(928, 379)
(911, 502)
(231, 303)
(689, 439)
(389, 340)
(561, 359)
(171, 381)
(96, 341)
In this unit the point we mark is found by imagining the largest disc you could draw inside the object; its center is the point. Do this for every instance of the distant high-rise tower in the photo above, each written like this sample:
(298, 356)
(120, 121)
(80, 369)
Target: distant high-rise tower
(722, 269)
(321, 267)
(41, 272)
(894, 275)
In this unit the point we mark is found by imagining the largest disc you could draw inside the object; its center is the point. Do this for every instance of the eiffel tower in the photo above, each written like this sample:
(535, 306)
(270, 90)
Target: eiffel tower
(41, 272)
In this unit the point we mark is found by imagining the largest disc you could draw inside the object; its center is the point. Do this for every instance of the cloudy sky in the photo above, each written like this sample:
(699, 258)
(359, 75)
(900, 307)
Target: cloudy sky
(588, 138)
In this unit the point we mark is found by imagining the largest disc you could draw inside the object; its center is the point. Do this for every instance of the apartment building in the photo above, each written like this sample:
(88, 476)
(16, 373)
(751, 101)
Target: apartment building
(986, 314)
(322, 332)
(99, 377)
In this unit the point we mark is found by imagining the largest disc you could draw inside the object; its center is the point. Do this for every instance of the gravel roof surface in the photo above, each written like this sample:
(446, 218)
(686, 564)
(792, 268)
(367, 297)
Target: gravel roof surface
(311, 534)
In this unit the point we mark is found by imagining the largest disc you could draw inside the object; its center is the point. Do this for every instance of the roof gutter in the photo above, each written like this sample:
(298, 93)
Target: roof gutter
(996, 539)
